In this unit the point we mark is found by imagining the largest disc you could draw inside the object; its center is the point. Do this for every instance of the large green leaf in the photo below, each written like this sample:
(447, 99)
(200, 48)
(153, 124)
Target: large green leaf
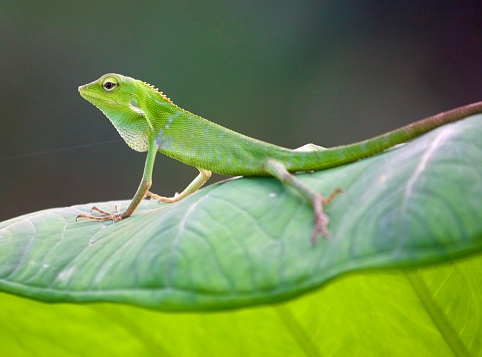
(431, 311)
(246, 241)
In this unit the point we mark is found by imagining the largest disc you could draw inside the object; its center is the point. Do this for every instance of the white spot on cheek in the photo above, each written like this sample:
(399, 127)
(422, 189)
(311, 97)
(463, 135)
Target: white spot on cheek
(137, 110)
(134, 105)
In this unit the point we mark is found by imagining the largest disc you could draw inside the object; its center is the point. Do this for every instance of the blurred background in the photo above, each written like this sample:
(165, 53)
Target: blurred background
(287, 72)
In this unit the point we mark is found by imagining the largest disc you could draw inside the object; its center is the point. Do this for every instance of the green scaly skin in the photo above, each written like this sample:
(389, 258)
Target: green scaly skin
(149, 121)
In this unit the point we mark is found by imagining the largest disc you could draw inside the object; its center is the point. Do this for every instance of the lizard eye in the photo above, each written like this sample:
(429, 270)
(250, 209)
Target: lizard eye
(109, 84)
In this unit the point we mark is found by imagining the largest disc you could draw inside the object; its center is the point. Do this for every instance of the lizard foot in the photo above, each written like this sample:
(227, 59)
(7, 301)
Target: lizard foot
(321, 219)
(105, 216)
(153, 196)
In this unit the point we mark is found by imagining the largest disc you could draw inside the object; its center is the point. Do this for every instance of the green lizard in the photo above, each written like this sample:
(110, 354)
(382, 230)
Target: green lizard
(149, 121)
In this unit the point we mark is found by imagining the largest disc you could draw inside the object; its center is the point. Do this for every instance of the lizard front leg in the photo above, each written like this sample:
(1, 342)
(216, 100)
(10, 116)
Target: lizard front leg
(195, 185)
(141, 192)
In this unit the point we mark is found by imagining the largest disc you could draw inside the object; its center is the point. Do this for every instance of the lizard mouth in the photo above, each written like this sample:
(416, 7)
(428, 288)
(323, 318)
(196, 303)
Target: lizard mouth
(86, 94)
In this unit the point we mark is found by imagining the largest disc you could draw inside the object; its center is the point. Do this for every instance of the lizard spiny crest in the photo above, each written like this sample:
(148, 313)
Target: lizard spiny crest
(158, 91)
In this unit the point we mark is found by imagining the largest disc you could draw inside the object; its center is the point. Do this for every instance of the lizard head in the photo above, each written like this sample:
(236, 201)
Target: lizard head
(120, 99)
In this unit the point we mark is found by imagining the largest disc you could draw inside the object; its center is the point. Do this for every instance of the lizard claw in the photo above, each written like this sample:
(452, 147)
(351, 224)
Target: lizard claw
(321, 219)
(105, 216)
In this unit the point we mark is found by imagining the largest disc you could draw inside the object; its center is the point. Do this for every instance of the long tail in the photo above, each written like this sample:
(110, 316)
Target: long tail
(340, 155)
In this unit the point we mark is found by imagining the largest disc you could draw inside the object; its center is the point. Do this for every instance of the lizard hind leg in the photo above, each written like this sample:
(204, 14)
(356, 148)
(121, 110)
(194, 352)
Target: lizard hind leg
(195, 185)
(278, 170)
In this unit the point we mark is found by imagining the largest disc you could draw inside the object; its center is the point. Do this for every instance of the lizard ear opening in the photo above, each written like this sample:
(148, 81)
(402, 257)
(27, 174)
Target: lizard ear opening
(109, 84)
